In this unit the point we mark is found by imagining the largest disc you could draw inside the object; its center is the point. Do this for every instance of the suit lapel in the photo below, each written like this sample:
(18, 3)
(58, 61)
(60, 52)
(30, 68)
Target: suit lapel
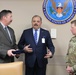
(40, 36)
(31, 35)
(3, 31)
(11, 34)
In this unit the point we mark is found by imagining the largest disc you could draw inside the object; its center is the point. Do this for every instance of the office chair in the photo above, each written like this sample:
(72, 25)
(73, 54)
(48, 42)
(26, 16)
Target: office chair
(14, 68)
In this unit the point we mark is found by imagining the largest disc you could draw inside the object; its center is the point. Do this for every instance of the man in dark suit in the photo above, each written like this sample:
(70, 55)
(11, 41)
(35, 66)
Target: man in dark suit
(7, 37)
(35, 42)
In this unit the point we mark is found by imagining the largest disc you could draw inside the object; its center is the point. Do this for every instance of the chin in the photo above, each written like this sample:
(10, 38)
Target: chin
(73, 34)
(35, 28)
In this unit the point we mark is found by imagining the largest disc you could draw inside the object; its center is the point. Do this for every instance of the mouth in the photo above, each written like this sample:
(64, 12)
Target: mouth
(11, 21)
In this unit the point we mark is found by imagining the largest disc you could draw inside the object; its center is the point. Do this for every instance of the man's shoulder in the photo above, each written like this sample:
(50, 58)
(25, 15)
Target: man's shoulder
(44, 29)
(27, 30)
(73, 38)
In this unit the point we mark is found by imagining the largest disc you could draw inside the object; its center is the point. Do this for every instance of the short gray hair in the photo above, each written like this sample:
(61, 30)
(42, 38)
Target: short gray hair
(37, 16)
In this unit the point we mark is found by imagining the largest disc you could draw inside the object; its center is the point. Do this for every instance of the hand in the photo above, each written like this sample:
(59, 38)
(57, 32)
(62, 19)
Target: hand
(9, 52)
(27, 49)
(48, 55)
(69, 69)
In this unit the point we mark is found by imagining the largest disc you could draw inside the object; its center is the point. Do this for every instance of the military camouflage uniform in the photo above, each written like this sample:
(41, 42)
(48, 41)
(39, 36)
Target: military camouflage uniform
(71, 55)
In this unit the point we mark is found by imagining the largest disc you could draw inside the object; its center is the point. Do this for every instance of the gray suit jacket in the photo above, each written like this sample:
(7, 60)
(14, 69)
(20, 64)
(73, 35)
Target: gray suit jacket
(5, 45)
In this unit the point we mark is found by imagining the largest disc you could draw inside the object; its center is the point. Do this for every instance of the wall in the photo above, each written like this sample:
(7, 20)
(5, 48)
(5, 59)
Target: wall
(23, 10)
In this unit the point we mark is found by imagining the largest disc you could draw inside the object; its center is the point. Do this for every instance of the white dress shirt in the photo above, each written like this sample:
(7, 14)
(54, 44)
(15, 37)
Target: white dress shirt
(38, 33)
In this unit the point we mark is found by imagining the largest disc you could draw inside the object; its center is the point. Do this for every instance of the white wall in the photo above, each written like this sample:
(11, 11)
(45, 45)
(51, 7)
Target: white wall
(23, 10)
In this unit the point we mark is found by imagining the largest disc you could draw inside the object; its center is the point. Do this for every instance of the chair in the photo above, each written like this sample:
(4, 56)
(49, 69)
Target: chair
(14, 68)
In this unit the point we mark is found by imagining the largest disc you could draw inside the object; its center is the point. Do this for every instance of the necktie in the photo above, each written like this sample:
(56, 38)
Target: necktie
(35, 36)
(8, 33)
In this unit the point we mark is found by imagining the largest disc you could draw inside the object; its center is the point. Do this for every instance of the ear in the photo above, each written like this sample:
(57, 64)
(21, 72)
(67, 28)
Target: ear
(4, 17)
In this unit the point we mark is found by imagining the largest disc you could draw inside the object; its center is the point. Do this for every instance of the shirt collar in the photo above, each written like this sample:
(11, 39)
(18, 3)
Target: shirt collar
(3, 25)
(37, 29)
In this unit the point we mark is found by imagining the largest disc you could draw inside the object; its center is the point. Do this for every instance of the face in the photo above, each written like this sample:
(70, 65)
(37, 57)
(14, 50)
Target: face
(36, 22)
(73, 29)
(8, 18)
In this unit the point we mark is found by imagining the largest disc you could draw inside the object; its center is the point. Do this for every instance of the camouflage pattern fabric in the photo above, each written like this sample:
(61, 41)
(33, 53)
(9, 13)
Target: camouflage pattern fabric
(71, 54)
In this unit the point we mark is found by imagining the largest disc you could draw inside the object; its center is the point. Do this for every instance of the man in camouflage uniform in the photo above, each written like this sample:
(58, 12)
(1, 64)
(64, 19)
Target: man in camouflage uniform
(71, 54)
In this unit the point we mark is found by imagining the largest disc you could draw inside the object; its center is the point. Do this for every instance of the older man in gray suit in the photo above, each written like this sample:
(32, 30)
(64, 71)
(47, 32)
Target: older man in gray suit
(7, 37)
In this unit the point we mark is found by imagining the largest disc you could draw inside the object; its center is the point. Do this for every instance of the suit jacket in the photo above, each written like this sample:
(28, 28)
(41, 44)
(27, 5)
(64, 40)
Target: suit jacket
(39, 50)
(5, 45)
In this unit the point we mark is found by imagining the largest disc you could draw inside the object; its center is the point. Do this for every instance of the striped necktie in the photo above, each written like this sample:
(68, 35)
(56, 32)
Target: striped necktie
(35, 36)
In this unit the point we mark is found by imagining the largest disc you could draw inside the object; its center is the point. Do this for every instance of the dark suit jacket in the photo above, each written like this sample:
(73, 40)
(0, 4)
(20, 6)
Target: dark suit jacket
(39, 50)
(5, 45)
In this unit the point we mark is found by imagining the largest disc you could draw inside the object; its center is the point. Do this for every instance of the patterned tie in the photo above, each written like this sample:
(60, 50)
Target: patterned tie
(35, 36)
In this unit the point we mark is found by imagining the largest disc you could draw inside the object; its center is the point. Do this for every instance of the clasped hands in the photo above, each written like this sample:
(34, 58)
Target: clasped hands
(29, 50)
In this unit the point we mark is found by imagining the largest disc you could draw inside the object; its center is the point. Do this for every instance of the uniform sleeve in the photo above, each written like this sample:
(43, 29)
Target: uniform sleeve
(67, 59)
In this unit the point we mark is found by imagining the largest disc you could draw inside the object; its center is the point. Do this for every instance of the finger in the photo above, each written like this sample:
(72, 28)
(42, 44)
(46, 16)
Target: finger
(45, 56)
(49, 52)
(28, 45)
(13, 54)
(13, 50)
(30, 50)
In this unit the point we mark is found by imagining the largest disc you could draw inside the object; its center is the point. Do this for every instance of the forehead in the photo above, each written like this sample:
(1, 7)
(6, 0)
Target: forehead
(36, 18)
(73, 25)
(9, 14)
